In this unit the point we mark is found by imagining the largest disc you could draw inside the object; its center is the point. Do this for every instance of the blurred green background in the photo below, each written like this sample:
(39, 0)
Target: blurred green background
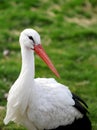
(68, 30)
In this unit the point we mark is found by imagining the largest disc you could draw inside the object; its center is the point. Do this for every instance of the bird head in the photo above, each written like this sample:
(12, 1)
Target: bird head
(30, 39)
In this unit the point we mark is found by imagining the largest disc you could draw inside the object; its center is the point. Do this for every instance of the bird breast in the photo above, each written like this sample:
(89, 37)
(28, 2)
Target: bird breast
(51, 104)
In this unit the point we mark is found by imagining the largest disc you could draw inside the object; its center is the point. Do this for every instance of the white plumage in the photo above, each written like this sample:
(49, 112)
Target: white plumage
(40, 103)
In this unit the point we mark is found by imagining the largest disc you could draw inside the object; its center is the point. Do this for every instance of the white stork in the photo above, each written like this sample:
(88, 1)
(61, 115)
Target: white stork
(43, 103)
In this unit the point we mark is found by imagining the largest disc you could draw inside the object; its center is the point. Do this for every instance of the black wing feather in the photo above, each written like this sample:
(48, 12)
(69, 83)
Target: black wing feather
(79, 99)
(80, 104)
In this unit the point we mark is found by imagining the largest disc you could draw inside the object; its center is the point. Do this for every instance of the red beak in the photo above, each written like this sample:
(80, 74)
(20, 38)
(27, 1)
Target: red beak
(40, 51)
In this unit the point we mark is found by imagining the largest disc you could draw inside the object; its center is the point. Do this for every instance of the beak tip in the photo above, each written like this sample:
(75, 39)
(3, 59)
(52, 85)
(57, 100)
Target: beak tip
(57, 75)
(40, 51)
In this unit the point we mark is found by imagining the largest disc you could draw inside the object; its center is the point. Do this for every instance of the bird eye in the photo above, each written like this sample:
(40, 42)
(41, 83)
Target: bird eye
(31, 38)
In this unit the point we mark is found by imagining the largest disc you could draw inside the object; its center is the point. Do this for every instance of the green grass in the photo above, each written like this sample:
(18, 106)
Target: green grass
(69, 35)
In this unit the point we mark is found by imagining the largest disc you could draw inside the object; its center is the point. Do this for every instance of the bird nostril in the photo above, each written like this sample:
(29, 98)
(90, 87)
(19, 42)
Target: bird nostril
(32, 49)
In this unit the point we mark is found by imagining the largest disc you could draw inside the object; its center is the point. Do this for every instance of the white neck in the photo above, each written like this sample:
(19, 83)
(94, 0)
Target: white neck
(27, 62)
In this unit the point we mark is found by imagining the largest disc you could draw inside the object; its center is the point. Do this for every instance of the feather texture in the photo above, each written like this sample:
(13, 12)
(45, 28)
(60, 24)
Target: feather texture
(42, 103)
(80, 104)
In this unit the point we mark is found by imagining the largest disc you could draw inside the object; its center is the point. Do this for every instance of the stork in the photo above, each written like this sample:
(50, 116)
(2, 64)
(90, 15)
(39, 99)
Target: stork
(43, 103)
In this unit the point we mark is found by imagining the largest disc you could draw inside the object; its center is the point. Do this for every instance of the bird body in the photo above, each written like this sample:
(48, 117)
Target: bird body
(45, 98)
(41, 103)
